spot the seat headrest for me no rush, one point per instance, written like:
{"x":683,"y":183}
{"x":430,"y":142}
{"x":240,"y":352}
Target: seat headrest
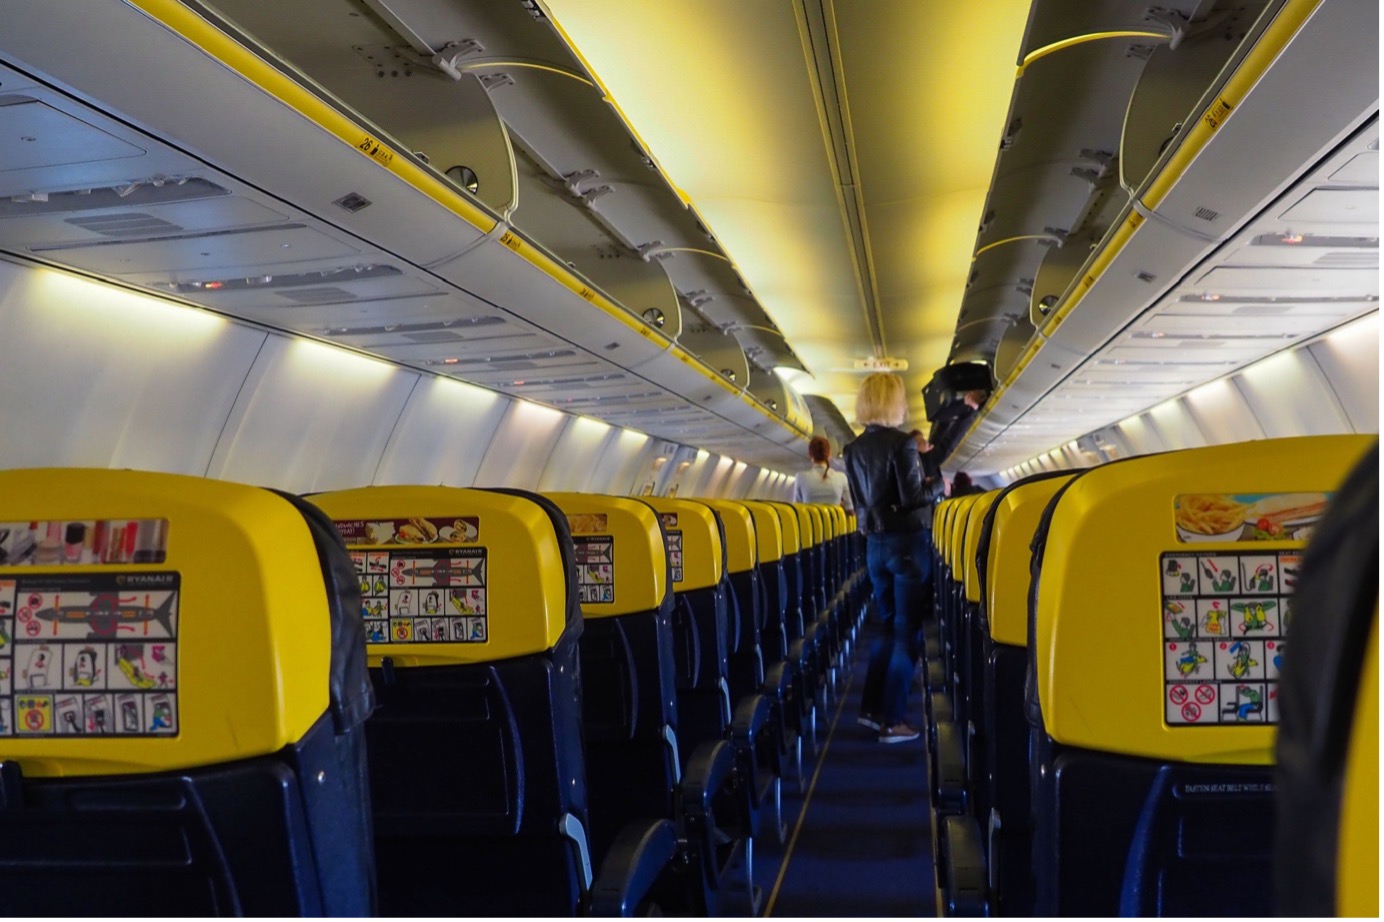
{"x":696,"y":551}
{"x":154,"y":622}
{"x":738,"y":524}
{"x":975,"y":519}
{"x":1016,"y":516}
{"x":815,"y":520}
{"x":956,"y":539}
{"x":791,"y":524}
{"x":622,"y":565}
{"x":451,"y":575}
{"x":768,"y":531}
{"x":1208,"y":542}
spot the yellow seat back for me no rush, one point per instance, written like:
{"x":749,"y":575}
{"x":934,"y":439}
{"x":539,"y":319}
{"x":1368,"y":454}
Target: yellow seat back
{"x":451,"y":575}
{"x":768,"y":531}
{"x":622,"y":565}
{"x":794,"y":540}
{"x":154,"y":622}
{"x":1006,"y":583}
{"x":1357,"y":861}
{"x":956,"y":541}
{"x":1198,"y":543}
{"x":695,"y":552}
{"x":741,"y":552}
{"x":970,"y":573}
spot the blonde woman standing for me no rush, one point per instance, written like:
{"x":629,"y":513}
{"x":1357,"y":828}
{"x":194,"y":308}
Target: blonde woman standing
{"x":892,"y":506}
{"x":821,"y":484}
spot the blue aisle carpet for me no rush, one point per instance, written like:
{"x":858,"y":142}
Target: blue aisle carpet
{"x":864,"y":847}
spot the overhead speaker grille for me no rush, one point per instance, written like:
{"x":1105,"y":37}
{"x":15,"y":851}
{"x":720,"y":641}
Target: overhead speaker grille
{"x":325,"y":295}
{"x":436,"y":336}
{"x":128,"y":224}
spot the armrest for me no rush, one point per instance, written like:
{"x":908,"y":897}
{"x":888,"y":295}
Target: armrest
{"x":710,"y":768}
{"x":963,"y":867}
{"x":950,"y":785}
{"x":636,"y":860}
{"x":751,"y":717}
{"x":710,"y":774}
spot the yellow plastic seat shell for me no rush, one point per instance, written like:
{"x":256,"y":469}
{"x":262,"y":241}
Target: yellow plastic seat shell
{"x":944,"y":539}
{"x":793,"y":538}
{"x":251,"y":627}
{"x":974,"y":525}
{"x":1007,"y":575}
{"x":956,"y":540}
{"x":522,"y":592}
{"x":741,"y":549}
{"x":639,"y":568}
{"x":1101,"y":679}
{"x":810,"y":521}
{"x":692,"y":530}
{"x":1357,"y":851}
{"x":768,"y":531}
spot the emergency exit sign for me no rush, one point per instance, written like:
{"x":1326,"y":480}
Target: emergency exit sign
{"x":885,"y":364}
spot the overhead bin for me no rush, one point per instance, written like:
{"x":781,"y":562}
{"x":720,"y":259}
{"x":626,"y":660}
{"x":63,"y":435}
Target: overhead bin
{"x":1187,"y":227}
{"x":320,"y":190}
{"x":368,"y":68}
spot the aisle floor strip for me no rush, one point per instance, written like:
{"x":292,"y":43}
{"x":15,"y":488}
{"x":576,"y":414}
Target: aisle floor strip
{"x":807,"y":800}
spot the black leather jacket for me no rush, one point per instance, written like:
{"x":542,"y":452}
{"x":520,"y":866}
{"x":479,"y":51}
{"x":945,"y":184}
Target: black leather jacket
{"x":886,"y":480}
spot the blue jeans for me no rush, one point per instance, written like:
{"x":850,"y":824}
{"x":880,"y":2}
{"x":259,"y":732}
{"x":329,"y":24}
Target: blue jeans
{"x":899,"y":569}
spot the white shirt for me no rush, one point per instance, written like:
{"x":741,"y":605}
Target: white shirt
{"x":809,"y":487}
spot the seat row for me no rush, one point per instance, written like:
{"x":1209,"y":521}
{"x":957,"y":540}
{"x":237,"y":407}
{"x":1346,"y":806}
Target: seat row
{"x":412,"y":700}
{"x":1106,"y":676}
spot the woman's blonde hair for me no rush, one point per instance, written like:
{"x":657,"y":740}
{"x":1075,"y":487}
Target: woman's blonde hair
{"x":881,"y":401}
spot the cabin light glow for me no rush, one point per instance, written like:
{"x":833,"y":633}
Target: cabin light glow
{"x":339,"y":364}
{"x":103,"y":310}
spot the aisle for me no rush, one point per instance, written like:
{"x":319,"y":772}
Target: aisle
{"x":864,"y":843}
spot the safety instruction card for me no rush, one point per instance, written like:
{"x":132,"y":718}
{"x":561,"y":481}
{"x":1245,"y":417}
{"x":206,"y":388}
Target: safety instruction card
{"x":1224,"y":619}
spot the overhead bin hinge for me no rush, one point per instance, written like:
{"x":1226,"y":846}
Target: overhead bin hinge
{"x":653,"y":250}
{"x":576,"y":178}
{"x":452,"y":52}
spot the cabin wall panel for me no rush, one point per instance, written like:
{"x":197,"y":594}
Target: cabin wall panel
{"x":1176,"y":426}
{"x":1140,"y":436}
{"x":521,"y":447}
{"x":1349,"y":358}
{"x":1289,"y":395}
{"x":94,"y":376}
{"x":442,"y":434}
{"x":1222,"y":414}
{"x":573,"y":464}
{"x":311,"y":417}
{"x":627,"y":454}
{"x":714,"y":476}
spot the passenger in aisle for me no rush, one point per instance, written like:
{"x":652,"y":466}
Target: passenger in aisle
{"x":962,"y":485}
{"x":821,"y":484}
{"x":885,"y":475}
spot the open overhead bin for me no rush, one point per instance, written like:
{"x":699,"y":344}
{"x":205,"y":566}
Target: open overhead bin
{"x":1174,"y":293}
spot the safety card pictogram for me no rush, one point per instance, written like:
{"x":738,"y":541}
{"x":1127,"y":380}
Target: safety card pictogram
{"x":595,"y":568}
{"x":423,"y":594}
{"x":1224,"y":618}
{"x":89,"y":655}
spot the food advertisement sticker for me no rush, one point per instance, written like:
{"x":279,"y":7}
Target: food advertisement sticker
{"x":1205,"y":517}
{"x":86,"y":654}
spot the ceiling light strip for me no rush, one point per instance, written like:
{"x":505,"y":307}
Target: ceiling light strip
{"x":191,"y":27}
